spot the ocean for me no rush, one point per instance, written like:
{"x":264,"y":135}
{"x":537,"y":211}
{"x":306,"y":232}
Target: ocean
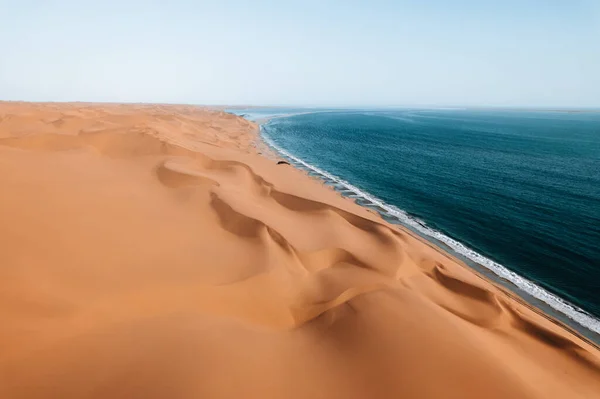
{"x":514,"y":193}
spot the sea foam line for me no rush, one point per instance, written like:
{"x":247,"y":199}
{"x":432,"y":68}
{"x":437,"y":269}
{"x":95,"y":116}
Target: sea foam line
{"x":573,"y":312}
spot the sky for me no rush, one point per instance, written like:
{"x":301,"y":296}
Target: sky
{"x":536,"y":53}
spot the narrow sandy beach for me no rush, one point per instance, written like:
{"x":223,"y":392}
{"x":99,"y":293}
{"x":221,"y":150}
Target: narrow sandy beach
{"x":149,"y":251}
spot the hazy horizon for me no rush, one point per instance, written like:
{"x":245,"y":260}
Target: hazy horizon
{"x":528,"y":54}
{"x":332,"y":107}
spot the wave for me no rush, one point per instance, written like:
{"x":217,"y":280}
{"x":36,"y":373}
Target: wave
{"x":578,"y":315}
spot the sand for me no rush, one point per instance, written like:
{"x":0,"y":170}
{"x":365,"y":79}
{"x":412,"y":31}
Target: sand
{"x":149,"y":252}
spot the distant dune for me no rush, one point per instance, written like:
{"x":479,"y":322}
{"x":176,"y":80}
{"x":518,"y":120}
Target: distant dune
{"x":149,"y":251}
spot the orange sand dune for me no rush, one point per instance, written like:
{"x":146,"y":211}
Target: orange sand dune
{"x":149,"y":252}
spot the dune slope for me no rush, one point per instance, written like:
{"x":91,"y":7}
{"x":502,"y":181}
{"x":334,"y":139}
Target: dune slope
{"x":149,"y":252}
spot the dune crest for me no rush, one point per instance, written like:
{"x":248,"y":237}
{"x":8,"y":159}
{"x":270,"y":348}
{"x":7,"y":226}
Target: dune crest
{"x":150,"y":252}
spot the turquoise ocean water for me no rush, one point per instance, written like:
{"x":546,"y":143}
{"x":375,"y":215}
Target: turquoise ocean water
{"x":516,"y":194}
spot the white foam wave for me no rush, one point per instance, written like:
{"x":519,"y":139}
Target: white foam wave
{"x":560,"y":305}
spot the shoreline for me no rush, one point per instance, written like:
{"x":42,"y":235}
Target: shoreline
{"x":510,"y":288}
{"x":151,"y":251}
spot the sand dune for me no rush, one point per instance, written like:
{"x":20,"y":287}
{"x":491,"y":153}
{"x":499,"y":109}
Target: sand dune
{"x":149,"y":252}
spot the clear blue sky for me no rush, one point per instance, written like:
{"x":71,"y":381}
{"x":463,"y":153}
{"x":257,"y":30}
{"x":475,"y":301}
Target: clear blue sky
{"x":344,"y":53}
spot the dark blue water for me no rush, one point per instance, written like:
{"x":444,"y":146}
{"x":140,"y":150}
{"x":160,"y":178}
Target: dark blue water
{"x":521,"y":188}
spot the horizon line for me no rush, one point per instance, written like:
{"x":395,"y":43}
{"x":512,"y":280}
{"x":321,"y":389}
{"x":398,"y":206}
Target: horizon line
{"x":326,"y":106}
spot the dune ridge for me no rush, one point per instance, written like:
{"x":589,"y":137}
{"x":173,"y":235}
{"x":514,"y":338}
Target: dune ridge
{"x":149,"y":251}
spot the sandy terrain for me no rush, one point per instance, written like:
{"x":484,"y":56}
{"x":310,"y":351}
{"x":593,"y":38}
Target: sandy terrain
{"x":149,"y":252}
